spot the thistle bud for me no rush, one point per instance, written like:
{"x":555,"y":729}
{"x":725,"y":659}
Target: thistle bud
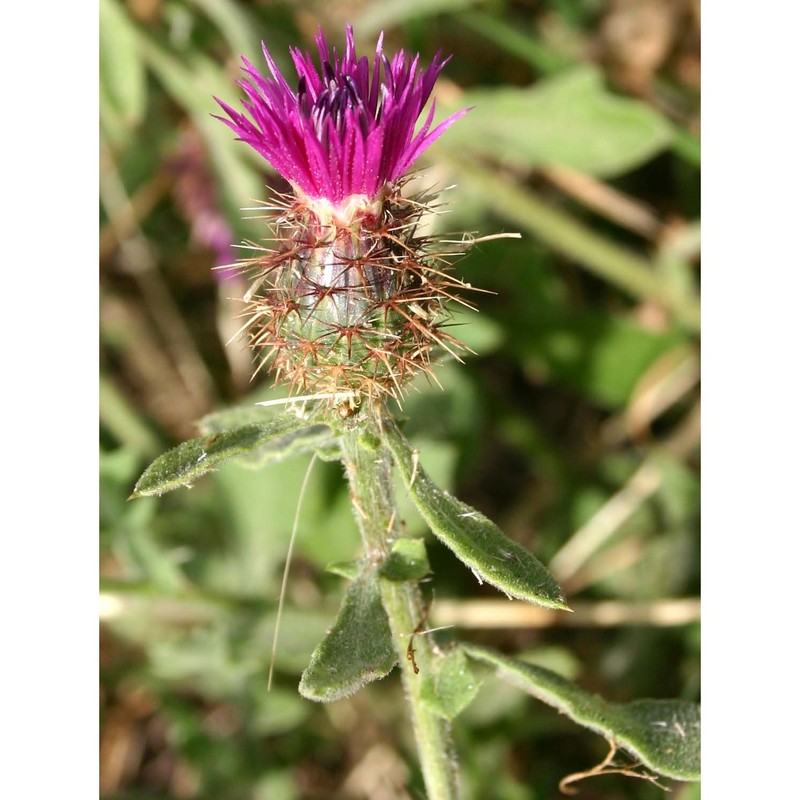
{"x":351,"y":297}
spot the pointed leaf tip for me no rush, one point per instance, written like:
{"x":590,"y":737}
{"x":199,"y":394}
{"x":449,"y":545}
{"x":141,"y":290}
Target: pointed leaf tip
{"x":475,"y":539}
{"x":663,"y":734}
{"x":256,"y":442}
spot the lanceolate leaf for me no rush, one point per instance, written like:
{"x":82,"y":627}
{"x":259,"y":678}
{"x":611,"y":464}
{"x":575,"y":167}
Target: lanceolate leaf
{"x":309,"y":438}
{"x":271,"y":440}
{"x":357,"y":650}
{"x":476,"y":540}
{"x":663,"y":734}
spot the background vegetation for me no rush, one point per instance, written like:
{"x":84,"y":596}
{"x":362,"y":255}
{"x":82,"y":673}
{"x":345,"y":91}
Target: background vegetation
{"x":575,"y":426}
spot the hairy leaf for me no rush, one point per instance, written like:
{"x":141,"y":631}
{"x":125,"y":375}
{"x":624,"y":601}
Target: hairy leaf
{"x":476,"y":540}
{"x":314,"y":438}
{"x":357,"y":650}
{"x":407,"y":561}
{"x":663,"y":734}
{"x":345,"y":569}
{"x":453,"y":686}
{"x":273,"y":440}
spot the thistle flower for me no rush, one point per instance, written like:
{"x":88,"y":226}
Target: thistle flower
{"x":348,"y":130}
{"x":351,"y":298}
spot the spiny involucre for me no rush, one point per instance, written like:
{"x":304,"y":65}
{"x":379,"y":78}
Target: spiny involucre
{"x":351,"y":298}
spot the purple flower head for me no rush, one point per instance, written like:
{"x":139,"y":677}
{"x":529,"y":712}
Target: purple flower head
{"x":348,"y":129}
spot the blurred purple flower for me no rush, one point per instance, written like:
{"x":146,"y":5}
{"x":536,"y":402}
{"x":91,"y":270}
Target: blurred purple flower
{"x":348,"y":130}
{"x":196,"y":198}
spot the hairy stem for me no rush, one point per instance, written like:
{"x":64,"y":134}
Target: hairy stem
{"x":369,"y":472}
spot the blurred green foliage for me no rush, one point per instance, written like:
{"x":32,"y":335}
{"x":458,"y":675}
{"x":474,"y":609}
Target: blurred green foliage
{"x":574,"y":427}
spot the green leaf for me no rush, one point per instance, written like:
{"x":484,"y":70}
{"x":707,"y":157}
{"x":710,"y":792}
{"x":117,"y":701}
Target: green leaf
{"x":357,"y":650}
{"x":663,"y":734}
{"x":234,"y":417}
{"x":476,"y":540}
{"x":453,"y":686}
{"x":345,"y":569}
{"x":184,"y":464}
{"x":407,"y":561}
{"x":317,"y":438}
{"x":570,"y":119}
{"x":122,"y":74}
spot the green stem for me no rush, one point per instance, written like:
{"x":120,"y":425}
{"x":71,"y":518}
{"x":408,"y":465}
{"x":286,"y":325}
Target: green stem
{"x":369,"y":471}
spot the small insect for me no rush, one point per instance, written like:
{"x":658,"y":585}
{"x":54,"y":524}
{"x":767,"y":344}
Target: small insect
{"x":344,"y":410}
{"x":410,"y":650}
{"x":410,"y":654}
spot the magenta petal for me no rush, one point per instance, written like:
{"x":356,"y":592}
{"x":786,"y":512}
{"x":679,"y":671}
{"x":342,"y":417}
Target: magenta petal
{"x":349,"y":129}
